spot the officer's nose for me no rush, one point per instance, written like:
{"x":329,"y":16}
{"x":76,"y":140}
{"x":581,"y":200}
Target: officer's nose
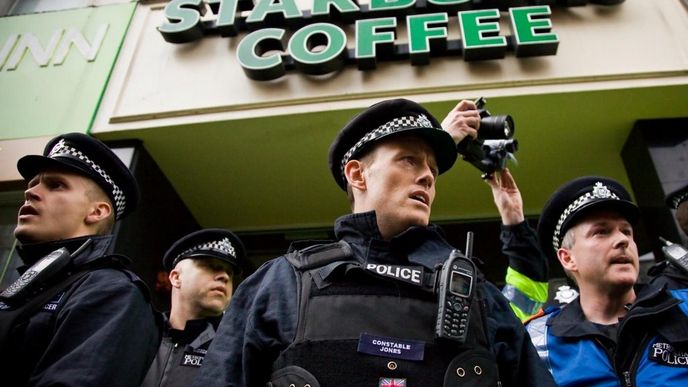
{"x":426,"y":178}
{"x":222,"y":275}
{"x":32,"y":193}
{"x":622,"y":240}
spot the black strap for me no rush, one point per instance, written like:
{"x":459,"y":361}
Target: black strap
{"x":319,"y":255}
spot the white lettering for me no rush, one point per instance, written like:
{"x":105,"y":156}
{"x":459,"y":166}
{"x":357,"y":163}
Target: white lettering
{"x":405,"y":273}
{"x":30,"y":42}
{"x":416,"y":276}
{"x":656,"y":351}
{"x":14,"y":49}
{"x":9,"y":45}
{"x":75,"y":37}
{"x":390,"y":350}
{"x":193,"y":360}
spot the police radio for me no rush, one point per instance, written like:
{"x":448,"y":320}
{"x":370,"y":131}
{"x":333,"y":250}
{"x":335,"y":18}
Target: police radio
{"x":40,"y":271}
{"x":456,"y":288}
{"x":676,"y":254}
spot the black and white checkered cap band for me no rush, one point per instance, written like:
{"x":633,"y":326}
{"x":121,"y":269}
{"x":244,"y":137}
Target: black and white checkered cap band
{"x":395,"y":125}
{"x":62,"y":149}
{"x":222,"y":246}
{"x":599,"y":191}
{"x":679,"y":199}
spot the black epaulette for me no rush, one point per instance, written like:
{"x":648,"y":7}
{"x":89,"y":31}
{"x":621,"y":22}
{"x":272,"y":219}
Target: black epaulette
{"x":319,"y":255}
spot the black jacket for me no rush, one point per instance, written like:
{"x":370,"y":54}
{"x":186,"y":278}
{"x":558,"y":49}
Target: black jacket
{"x":99,"y":331}
{"x":181,"y":353}
{"x":262,"y":317}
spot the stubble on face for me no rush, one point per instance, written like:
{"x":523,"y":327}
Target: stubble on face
{"x":605,"y":252}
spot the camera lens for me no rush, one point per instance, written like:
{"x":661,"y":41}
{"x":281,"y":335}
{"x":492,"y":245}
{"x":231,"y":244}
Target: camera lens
{"x":496,"y":127}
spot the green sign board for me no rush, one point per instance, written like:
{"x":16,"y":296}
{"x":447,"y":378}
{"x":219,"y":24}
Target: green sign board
{"x":54,"y":67}
{"x":282,"y":37}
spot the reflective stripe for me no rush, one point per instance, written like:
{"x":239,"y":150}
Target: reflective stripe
{"x":523,"y":306}
{"x":525,"y":295}
{"x":537,"y":329}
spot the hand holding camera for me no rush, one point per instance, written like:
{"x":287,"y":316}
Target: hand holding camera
{"x":494,"y":143}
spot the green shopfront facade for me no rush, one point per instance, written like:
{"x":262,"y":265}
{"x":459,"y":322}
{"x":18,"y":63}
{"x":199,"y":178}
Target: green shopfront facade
{"x":237,"y":102}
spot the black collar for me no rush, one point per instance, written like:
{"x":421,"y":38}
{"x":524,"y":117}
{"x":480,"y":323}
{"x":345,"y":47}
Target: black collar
{"x":192,"y":329}
{"x":32,"y":252}
{"x":425,"y":246}
{"x":653,"y":302}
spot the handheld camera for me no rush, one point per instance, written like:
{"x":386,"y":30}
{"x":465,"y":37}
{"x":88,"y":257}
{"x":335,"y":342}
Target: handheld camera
{"x":495,"y":143}
{"x":456,"y":288}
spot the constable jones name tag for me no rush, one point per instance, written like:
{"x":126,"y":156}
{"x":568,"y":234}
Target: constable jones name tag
{"x":391,"y":347}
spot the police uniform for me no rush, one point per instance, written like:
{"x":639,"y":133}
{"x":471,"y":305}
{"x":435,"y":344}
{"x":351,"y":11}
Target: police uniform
{"x":99,"y":330}
{"x":663,"y":272}
{"x":361,"y":311}
{"x":181,"y":352}
{"x":648,"y":347}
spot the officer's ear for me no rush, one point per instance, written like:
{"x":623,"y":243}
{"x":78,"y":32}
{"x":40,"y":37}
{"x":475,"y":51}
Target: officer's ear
{"x":99,"y":211}
{"x":175,"y":277}
{"x":353,"y":171}
{"x":567,"y":260}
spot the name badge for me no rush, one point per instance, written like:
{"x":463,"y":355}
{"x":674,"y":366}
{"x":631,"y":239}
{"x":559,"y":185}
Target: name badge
{"x":391,"y":347}
{"x":410,"y":274}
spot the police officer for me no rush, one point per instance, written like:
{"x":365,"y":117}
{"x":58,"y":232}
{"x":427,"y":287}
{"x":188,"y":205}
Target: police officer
{"x":202,"y":268}
{"x":674,"y":274}
{"x":362,"y":311}
{"x":613,"y":333}
{"x":526,"y":276}
{"x":77,"y":317}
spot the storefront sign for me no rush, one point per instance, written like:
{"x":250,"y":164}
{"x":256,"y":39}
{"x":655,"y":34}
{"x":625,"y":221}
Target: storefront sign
{"x":55,"y":51}
{"x":319,"y":45}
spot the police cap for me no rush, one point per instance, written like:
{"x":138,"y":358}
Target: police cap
{"x":207,"y":243}
{"x":384,"y":119}
{"x":570,"y":202}
{"x":89,"y":157}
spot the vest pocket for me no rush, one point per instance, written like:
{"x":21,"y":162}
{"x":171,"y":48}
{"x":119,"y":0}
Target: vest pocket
{"x":292,"y":376}
{"x":472,"y":368}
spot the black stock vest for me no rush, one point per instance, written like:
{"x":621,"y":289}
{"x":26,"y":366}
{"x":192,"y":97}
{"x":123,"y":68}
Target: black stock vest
{"x":341,"y":306}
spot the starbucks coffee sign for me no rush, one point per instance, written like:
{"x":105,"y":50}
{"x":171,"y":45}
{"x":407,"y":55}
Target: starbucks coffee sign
{"x":281,"y":37}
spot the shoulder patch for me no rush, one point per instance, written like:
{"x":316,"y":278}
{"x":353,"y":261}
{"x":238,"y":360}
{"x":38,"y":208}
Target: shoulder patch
{"x":665,"y":354}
